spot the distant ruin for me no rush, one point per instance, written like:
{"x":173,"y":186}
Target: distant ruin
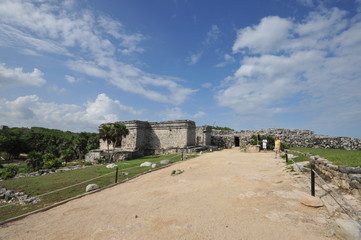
{"x":183,"y":136}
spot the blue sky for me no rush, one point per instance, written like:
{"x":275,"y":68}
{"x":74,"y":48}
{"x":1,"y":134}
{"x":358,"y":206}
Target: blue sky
{"x":249,"y":64}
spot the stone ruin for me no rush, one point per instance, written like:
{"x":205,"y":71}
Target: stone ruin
{"x":291,"y":137}
{"x":148,"y":138}
{"x":183,"y":136}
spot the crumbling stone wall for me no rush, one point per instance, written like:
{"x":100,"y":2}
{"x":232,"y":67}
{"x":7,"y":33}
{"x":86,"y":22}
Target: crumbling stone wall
{"x":292,"y":137}
{"x":203,"y":136}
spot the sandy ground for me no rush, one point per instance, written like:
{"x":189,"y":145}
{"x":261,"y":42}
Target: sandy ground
{"x":220,"y":195}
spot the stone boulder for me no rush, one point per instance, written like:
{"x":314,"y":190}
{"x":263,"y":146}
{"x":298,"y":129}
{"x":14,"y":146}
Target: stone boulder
{"x":146,"y":164}
{"x":347,"y":229}
{"x":165,"y":161}
{"x":112,"y":165}
{"x":91,"y":187}
{"x":154,"y":165}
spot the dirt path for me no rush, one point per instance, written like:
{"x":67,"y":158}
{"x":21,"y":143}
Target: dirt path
{"x":220,"y":195}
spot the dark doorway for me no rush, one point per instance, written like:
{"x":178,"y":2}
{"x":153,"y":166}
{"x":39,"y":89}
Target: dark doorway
{"x":236,"y":141}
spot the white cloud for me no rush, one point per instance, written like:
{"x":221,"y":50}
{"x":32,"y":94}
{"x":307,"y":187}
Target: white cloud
{"x":10,"y":77}
{"x":194,"y":58}
{"x":227,"y":59}
{"x":92,"y":44}
{"x":267,"y":36}
{"x":70,"y":79}
{"x":31,"y":111}
{"x":212,"y":35}
{"x":309,"y":66}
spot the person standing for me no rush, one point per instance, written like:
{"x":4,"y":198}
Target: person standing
{"x":258,"y":141}
{"x":264,"y":145}
{"x":277,"y":146}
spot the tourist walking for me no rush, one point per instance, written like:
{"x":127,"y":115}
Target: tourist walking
{"x":264,"y":145}
{"x":277,"y":146}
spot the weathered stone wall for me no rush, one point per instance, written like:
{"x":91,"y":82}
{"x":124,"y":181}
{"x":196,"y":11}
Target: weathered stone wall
{"x":172,"y":134}
{"x":292,"y":137}
{"x":203,"y":136}
{"x":149,"y":137}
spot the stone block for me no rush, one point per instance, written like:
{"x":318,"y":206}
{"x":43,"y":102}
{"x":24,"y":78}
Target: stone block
{"x":91,"y":187}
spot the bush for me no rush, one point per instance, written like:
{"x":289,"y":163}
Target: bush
{"x":100,"y":160}
{"x":53,"y":164}
{"x":87,"y":164}
{"x":9,"y":172}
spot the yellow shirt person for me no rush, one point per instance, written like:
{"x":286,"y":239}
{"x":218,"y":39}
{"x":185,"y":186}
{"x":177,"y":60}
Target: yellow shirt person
{"x":277,"y":146}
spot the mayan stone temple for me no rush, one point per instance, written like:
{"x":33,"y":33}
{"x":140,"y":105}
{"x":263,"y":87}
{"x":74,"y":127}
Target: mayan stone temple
{"x":148,"y":138}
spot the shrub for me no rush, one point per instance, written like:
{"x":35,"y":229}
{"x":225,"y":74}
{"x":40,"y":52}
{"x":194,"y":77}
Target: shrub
{"x":100,"y":160}
{"x":10,"y":172}
{"x":53,"y":164}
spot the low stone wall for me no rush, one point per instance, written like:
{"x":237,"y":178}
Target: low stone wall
{"x":291,"y":137}
{"x":346,"y":178}
{"x":95,"y":154}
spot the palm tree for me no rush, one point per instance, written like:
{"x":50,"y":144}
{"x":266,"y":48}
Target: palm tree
{"x":105,"y":133}
{"x":113,"y":134}
{"x":117,"y":133}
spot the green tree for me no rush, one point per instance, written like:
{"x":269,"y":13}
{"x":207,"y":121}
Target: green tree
{"x":117,"y":133}
{"x":12,"y":143}
{"x":67,"y":155}
{"x":113,"y":134}
{"x":35,"y":161}
{"x":105,"y":134}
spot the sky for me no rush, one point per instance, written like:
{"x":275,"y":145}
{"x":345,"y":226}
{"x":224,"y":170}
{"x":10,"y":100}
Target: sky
{"x":247,"y":65}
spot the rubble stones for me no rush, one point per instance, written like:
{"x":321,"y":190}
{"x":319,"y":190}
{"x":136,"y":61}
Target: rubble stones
{"x":12,"y":196}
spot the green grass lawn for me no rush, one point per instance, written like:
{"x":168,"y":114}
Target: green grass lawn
{"x":300,"y":158}
{"x":39,"y":185}
{"x":350,"y":158}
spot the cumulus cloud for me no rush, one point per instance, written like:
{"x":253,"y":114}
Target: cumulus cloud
{"x":309,"y":66}
{"x":30,"y":111}
{"x":92,"y":44}
{"x":268,"y":36}
{"x":10,"y":77}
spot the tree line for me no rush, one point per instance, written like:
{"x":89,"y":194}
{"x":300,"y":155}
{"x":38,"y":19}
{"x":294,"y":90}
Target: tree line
{"x":45,"y":147}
